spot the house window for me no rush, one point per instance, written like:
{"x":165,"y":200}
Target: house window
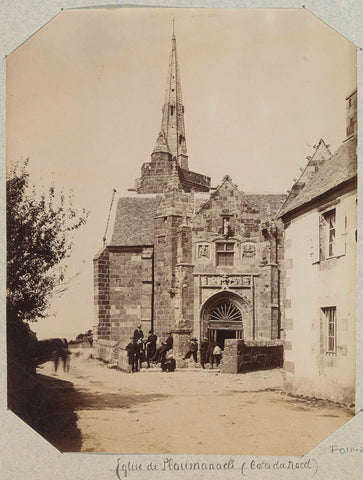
{"x":328,"y":237}
{"x":331,"y":328}
{"x":225,"y":254}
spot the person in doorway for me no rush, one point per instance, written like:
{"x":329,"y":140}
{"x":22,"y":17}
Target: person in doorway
{"x":217,"y":355}
{"x":210,"y":356}
{"x":138,"y":333}
{"x":193,"y":349}
{"x":203,"y":350}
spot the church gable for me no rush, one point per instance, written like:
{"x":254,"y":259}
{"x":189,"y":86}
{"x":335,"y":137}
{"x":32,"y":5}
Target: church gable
{"x":227,"y":213}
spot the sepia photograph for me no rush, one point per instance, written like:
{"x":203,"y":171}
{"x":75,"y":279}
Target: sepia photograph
{"x":181,"y":222}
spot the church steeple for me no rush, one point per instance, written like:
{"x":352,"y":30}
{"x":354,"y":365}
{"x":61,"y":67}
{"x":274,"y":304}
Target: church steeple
{"x":169,"y":159}
{"x":172,"y":135}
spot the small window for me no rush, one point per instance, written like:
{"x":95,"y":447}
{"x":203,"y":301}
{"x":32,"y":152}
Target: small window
{"x":331,"y":328}
{"x":328,"y":234}
{"x":225,"y":254}
{"x":172,"y":110}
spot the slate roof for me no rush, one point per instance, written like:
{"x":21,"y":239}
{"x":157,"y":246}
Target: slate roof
{"x":268,"y":204}
{"x":321,"y":153}
{"x":134,"y":221}
{"x":133,"y":216}
{"x":339,"y":169}
{"x":200,"y":198}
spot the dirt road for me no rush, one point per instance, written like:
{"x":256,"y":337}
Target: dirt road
{"x":200,"y":411}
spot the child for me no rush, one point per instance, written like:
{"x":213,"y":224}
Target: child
{"x":217,"y":354}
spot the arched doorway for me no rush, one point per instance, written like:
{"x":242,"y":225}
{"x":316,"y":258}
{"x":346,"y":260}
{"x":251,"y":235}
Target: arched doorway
{"x":223,"y":316}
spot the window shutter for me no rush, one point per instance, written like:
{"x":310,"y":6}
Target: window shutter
{"x":340,"y":230}
{"x":315,"y":239}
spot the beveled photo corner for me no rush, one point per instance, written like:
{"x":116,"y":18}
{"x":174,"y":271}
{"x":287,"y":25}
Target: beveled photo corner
{"x":181,"y":269}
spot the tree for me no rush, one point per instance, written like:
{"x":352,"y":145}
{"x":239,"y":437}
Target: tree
{"x":39,"y":238}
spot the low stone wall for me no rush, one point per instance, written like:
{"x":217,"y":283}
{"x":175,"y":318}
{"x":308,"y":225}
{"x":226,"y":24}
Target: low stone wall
{"x":84,"y":344}
{"x":243,"y":356}
{"x":122,"y":360}
{"x":106,"y":350}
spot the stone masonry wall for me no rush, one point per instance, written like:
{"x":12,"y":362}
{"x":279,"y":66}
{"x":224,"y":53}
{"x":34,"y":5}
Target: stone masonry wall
{"x":242,"y":356}
{"x":101,"y":278}
{"x":155,"y":174}
{"x":130,"y":298}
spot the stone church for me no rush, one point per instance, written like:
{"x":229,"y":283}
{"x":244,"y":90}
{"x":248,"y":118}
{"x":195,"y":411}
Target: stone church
{"x":182,"y":257}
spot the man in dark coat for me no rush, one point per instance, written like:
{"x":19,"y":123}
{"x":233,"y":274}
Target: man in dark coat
{"x":138,"y":333}
{"x":168,"y":345}
{"x":193,"y":349}
{"x":169,"y":365}
{"x":133,"y":354}
{"x":150,"y":346}
{"x":204,"y":349}
{"x":210,"y":356}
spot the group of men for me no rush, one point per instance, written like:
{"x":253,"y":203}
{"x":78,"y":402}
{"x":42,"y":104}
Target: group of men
{"x":209,"y":352}
{"x":141,"y":350}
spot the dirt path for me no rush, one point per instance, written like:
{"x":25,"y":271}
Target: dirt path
{"x":191,"y":412}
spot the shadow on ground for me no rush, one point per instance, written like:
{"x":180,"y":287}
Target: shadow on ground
{"x":104,"y":401}
{"x":38,"y":400}
{"x":49,"y":406}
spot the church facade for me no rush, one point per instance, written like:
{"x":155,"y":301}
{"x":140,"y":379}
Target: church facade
{"x":182,"y":257}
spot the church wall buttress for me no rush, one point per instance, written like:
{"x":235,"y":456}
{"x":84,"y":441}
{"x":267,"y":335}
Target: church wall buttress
{"x":184,"y":279}
{"x":165,"y":256}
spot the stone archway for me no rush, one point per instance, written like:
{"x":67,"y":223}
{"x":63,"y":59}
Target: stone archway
{"x":223,"y":316}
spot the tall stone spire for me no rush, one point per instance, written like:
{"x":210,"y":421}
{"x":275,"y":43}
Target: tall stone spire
{"x":172,"y":135}
{"x":169,"y":159}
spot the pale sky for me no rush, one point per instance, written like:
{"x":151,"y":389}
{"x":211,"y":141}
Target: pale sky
{"x":84,"y":99}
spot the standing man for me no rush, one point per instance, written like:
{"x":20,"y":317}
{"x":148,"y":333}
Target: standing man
{"x":132,"y":352}
{"x":204,"y":348}
{"x":150,"y":346}
{"x":138,"y":333}
{"x":210,"y":351}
